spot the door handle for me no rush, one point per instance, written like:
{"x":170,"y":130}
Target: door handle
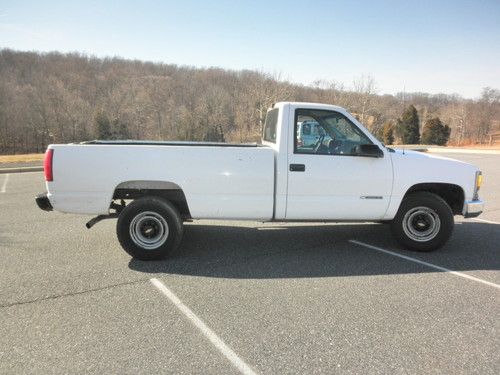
{"x":297,"y":168}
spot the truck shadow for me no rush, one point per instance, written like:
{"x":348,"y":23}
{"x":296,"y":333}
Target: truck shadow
{"x":284,"y":251}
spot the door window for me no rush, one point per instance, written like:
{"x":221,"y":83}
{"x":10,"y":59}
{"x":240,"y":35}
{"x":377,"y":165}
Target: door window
{"x":334,"y":133}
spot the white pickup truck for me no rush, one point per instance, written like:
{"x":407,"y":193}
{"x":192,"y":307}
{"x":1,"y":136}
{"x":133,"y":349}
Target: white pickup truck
{"x":346,"y":175}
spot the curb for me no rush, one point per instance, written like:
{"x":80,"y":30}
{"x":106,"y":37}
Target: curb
{"x":463,"y":151}
{"x":448,"y":149}
{"x":21,"y":169}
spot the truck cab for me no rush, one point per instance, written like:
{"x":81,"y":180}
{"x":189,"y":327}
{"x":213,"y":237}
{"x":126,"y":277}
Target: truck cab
{"x":345,"y":175}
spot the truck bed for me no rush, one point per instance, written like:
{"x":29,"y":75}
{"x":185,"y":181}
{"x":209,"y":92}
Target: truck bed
{"x":218,"y":180}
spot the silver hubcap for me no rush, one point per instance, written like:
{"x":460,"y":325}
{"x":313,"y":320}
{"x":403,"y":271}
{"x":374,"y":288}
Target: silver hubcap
{"x":149,"y":230}
{"x":421,"y":224}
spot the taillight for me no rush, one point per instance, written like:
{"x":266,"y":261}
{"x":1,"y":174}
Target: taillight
{"x":47,"y":165}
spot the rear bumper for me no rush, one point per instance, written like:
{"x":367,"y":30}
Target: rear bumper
{"x":43,"y":202}
{"x":473,"y":208}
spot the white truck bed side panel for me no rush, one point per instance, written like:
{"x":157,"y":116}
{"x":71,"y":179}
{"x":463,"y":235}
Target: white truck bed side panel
{"x":218,"y":182}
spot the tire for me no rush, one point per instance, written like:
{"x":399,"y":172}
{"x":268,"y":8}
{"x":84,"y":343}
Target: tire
{"x":149,"y":228}
{"x":424,"y":222}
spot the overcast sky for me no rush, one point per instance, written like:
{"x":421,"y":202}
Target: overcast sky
{"x":429,"y":46}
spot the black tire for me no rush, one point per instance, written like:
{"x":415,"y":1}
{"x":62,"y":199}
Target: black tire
{"x":149,"y":228}
{"x":424,"y":222}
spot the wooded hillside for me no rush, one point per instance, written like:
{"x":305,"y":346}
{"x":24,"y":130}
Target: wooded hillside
{"x":59,"y":98}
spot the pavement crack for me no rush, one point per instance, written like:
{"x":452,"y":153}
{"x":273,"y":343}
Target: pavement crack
{"x":87,"y":291}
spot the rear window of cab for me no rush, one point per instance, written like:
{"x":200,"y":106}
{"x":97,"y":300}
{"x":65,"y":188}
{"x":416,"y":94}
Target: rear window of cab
{"x":271,"y":125}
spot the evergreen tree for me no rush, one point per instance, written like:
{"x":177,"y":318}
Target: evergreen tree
{"x":408,"y":126}
{"x":214,"y":134}
{"x":102,"y":126}
{"x":120,"y":129}
{"x":435,"y":132}
{"x":388,"y":133}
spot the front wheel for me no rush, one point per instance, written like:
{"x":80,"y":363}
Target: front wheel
{"x":149,"y":228}
{"x":424,"y":222}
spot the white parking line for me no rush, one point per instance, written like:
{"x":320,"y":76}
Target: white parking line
{"x":486,"y":221}
{"x":4,"y":185}
{"x":460,"y":274}
{"x":207,"y":332}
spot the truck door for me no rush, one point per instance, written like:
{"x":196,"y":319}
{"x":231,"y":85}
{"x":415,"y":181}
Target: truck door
{"x":329,"y":180}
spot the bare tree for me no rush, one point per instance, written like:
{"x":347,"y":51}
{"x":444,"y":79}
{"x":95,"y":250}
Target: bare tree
{"x":365,"y":88}
{"x":53,"y":97}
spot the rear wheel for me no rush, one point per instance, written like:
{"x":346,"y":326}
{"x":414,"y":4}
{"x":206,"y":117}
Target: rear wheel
{"x":149,"y":228}
{"x":424,"y":222}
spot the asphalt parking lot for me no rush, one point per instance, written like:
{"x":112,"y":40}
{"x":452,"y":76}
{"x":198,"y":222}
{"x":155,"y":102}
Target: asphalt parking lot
{"x":246,"y":297}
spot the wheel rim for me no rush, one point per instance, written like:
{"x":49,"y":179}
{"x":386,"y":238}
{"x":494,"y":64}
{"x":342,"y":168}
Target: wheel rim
{"x":149,"y":230}
{"x":421,"y":224}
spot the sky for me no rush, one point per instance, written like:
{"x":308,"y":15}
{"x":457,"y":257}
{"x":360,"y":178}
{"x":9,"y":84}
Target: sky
{"x":416,"y":46}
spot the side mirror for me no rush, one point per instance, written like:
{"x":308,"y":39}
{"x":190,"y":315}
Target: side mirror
{"x":371,"y":151}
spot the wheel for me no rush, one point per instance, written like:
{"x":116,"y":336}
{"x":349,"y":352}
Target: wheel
{"x":149,"y":228}
{"x":424,"y":222}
